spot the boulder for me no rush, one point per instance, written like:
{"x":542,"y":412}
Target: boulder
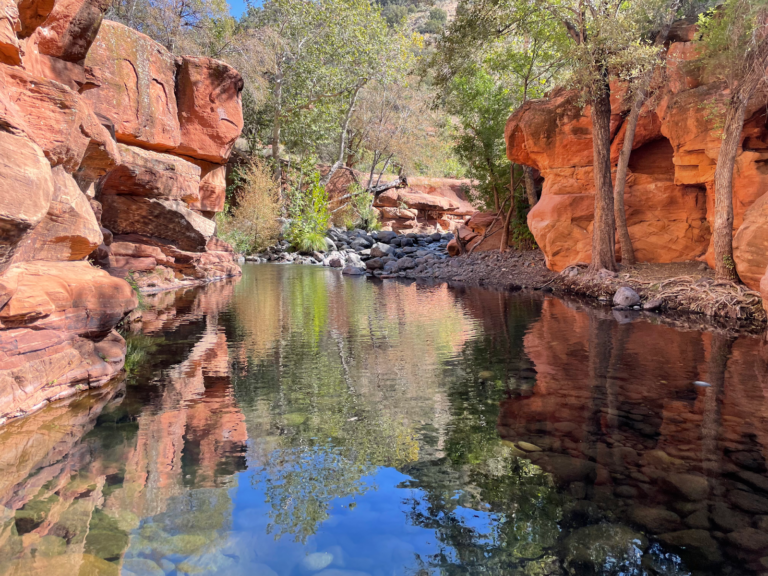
{"x":70,"y":28}
{"x":213,"y":186}
{"x":380,"y":249}
{"x":700,"y":549}
{"x":353,"y":270}
{"x":72,"y":297}
{"x":37,"y":366}
{"x":9,"y":26}
{"x":26,"y":189}
{"x":69,"y":230}
{"x":626,"y":296}
{"x":151,"y":174}
{"x":169,"y":220}
{"x":210,"y":108}
{"x":135,"y":87}
{"x":396,"y":198}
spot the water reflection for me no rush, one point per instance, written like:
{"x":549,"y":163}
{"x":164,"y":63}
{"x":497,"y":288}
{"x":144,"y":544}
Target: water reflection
{"x":297,"y":422}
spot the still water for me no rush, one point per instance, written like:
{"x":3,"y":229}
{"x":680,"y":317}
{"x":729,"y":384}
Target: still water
{"x":296,"y":423}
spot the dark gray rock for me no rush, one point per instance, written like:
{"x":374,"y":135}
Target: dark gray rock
{"x":699,"y":546}
{"x":374,"y":264}
{"x":350,"y":270}
{"x":654,"y":304}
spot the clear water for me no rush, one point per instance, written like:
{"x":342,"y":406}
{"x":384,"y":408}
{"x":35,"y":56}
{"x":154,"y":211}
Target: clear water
{"x":297,"y":422}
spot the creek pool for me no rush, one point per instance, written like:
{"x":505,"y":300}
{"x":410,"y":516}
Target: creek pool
{"x":295,"y":422}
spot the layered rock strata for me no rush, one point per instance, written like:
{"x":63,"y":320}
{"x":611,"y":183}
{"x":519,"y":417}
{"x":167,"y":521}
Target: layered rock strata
{"x":670,"y":187}
{"x":112,"y":165}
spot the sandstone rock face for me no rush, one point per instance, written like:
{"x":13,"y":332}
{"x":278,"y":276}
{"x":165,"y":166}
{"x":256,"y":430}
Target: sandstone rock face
{"x":213,"y":187}
{"x":137,"y":87}
{"x":9,"y":26}
{"x":26,"y":189}
{"x":70,"y":28}
{"x":72,"y":297}
{"x":51,"y":115}
{"x":69,"y":230}
{"x":210,"y":109}
{"x":152,"y":175}
{"x":669,"y":196}
{"x":91,"y":146}
{"x":750,"y":244}
{"x":167,"y":219}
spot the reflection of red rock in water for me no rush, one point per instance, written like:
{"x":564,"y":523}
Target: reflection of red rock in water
{"x":77,"y":498}
{"x":621,"y":423}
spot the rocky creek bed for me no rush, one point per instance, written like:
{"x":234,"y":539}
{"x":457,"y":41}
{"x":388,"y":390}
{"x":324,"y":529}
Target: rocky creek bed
{"x":682,"y":292}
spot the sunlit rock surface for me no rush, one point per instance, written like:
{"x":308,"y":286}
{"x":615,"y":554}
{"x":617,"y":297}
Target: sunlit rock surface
{"x":90,"y":110}
{"x":669,"y":196}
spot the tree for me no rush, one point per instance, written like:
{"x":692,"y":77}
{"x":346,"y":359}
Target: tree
{"x":641,"y":91}
{"x":597,"y":41}
{"x":734,"y":39}
{"x":320,"y":55}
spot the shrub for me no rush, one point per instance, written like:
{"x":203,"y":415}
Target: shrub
{"x":366,"y":216}
{"x":310,"y":218}
{"x":252,"y":224}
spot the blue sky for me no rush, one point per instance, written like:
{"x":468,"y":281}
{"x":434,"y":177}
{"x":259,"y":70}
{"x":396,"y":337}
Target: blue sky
{"x":237,"y":7}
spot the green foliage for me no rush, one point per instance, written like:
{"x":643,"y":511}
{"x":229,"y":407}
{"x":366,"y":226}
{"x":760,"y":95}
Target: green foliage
{"x":726,"y":34}
{"x":396,"y":15}
{"x":435,"y":23}
{"x":309,"y":215}
{"x":131,"y":279}
{"x":363,"y":214}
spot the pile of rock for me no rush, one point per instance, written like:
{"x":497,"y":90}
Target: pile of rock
{"x":427,"y":205}
{"x":111,"y":150}
{"x":357,"y":252}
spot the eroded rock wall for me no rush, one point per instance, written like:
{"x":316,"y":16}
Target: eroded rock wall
{"x":669,"y":195}
{"x":112,"y":165}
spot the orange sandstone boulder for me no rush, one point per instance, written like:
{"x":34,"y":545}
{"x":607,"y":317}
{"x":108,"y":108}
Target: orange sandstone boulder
{"x":101,"y":154}
{"x":26,"y":189}
{"x":70,"y":28}
{"x":166,"y":219}
{"x":136,"y":87}
{"x":449,"y":188}
{"x":210,"y":108}
{"x":9,"y":26}
{"x":72,"y":297}
{"x":69,"y":230}
{"x":152,"y":175}
{"x":398,"y":198}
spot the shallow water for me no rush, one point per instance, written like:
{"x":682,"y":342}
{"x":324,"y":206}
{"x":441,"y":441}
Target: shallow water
{"x":297,"y":422}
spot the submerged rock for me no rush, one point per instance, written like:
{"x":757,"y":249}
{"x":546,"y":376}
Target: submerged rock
{"x":602,"y":549}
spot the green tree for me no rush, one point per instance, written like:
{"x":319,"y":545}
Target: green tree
{"x":734,"y":39}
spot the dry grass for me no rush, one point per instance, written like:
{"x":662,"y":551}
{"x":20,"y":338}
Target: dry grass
{"x":252,"y":224}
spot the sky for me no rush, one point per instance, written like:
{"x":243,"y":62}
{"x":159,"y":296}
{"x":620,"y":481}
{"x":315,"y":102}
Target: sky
{"x":237,"y":7}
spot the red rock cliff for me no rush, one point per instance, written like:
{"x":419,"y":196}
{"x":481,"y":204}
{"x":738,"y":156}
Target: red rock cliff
{"x":113,"y":153}
{"x":669,"y":197}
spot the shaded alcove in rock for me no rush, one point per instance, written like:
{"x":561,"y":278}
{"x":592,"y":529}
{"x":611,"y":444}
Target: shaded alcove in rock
{"x":667,"y":221}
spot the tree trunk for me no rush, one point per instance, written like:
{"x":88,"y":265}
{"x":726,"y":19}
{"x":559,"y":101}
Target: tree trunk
{"x":603,"y":237}
{"x":627,"y":251}
{"x":725,"y":268}
{"x":757,"y":60}
{"x":507,"y":221}
{"x":276,"y":132}
{"x":343,"y":137}
{"x":530,"y":186}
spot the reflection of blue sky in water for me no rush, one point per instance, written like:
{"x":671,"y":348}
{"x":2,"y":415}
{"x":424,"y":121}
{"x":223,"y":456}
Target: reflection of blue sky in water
{"x":373,"y":535}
